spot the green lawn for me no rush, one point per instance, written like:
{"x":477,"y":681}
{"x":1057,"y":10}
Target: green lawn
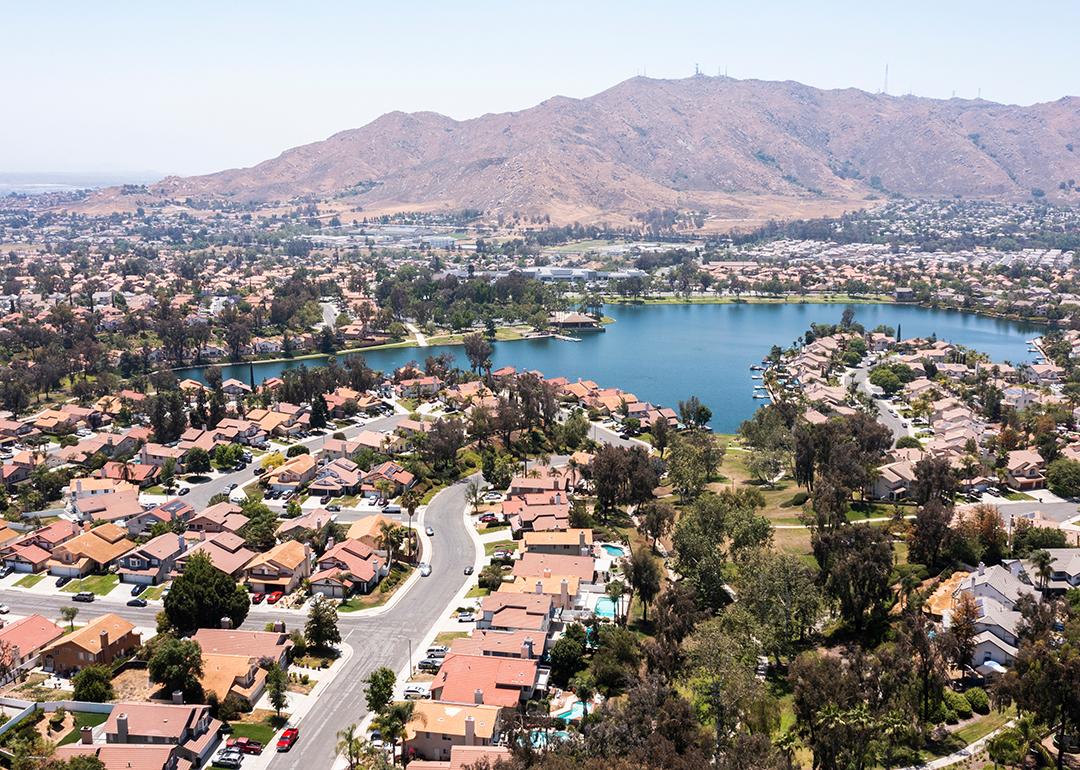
{"x":29,"y":581}
{"x":381,"y":595}
{"x":153,"y":592}
{"x":476,"y":592}
{"x":505,"y":545}
{"x":263,"y":732}
{"x":980,"y":727}
{"x":98,"y":584}
{"x":82,"y":719}
{"x":1015,"y":495}
{"x":448,"y":636}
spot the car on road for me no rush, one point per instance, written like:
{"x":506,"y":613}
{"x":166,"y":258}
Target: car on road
{"x":430,"y":664}
{"x":256,"y":598}
{"x":469,"y":570}
{"x":245,"y":745}
{"x":138,"y":601}
{"x":275,"y":597}
{"x":466,"y":617}
{"x":391,"y":508}
{"x":83,"y":596}
{"x":183,"y":491}
{"x":417,"y":692}
{"x":429,"y":532}
{"x":62,"y":581}
{"x":288,"y":739}
{"x":231,"y":486}
{"x":138,"y":588}
{"x":335,"y":508}
{"x":425,"y":569}
{"x":4,"y":609}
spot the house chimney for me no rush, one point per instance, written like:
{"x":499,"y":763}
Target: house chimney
{"x":581,"y":539}
{"x":539,"y":587}
{"x":527,"y":648}
{"x":103,"y":636}
{"x":122,"y":728}
{"x":279,"y":627}
{"x":478,"y":697}
{"x":547,"y":572}
{"x":564,"y":592}
{"x":470,"y":731}
{"x":86,"y":735}
{"x":982,"y":568}
{"x":226,"y":623}
{"x":178,"y":697}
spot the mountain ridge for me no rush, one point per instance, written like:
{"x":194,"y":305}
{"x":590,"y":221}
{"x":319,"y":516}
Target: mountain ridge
{"x":699,"y":142}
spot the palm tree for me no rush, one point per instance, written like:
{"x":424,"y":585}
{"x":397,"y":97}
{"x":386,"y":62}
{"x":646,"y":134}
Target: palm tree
{"x":615,"y":590}
{"x":389,"y":539}
{"x":584,"y":690}
{"x":1030,"y":734}
{"x":392,"y":723}
{"x":907,"y":585}
{"x":410,"y":501}
{"x":1044,"y":567}
{"x":351,"y":745}
{"x":474,"y":495}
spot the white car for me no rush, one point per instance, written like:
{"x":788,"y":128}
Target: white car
{"x":4,"y":609}
{"x":492,"y":497}
{"x":417,"y":692}
{"x":425,"y":569}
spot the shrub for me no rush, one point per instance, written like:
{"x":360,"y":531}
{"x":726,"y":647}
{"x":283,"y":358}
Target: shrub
{"x":958,"y":704}
{"x":297,"y":449}
{"x":798,"y":500}
{"x":978,"y":699}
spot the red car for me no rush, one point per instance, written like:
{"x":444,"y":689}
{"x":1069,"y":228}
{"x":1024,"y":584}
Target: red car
{"x":488,"y":518}
{"x":287,"y":739}
{"x":256,"y":598}
{"x":274,"y":598}
{"x":245,"y":745}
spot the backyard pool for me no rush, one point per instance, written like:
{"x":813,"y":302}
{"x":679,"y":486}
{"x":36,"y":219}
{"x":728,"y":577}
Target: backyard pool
{"x":576,"y":711}
{"x":614,"y":550}
{"x":605,"y":607}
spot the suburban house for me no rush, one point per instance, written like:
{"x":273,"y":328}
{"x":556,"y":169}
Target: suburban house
{"x":348,"y":567}
{"x":894,"y":480}
{"x":1024,"y":469}
{"x":462,"y":757}
{"x":1064,"y":570}
{"x":279,"y":569}
{"x":513,"y":611}
{"x":368,"y":530}
{"x":395,"y":476}
{"x":166,"y":513}
{"x":152,"y":562}
{"x":419,"y":387}
{"x":21,"y":640}
{"x":435,"y":728}
{"x":264,"y":645}
{"x":566,"y":542}
{"x":101,"y":641}
{"x":488,"y":679}
{"x":31,"y":552}
{"x":190,"y":730}
{"x":92,"y":551}
{"x":312,"y":520}
{"x":159,"y":454}
{"x":506,"y":644}
{"x":225,"y":550}
{"x":219,"y":517}
{"x":292,"y":474}
{"x":336,"y":478}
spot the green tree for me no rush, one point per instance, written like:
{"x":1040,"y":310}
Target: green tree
{"x":321,"y":630}
{"x":391,"y":722}
{"x":277,"y":687}
{"x":380,"y":689}
{"x":567,"y":655}
{"x":93,"y":684}
{"x":857,"y":562}
{"x":644,"y":575}
{"x":202,"y":595}
{"x":1063,"y":478}
{"x":656,"y":518}
{"x":68,"y":615}
{"x":177,"y":665}
{"x":197,"y":460}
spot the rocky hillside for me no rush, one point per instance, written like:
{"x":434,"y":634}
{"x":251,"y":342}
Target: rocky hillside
{"x":700,"y":142}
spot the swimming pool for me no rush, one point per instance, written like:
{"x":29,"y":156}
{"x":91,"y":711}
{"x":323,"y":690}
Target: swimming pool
{"x":614,"y":550}
{"x":540,"y":739}
{"x":576,"y":711}
{"x":605,"y":607}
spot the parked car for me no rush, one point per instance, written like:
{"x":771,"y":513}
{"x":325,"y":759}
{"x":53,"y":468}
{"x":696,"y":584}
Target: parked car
{"x":501,"y":553}
{"x":4,"y":609}
{"x":256,"y":598}
{"x":229,"y":758}
{"x":83,"y":596}
{"x":488,"y":518}
{"x":430,"y":664}
{"x":138,"y":588}
{"x":466,"y":617}
{"x":275,"y":597}
{"x":287,"y":739}
{"x":138,"y":601}
{"x":183,"y":491}
{"x":375,"y":738}
{"x":231,"y":486}
{"x":417,"y":692}
{"x":246,"y":745}
{"x":469,"y":570}
{"x":492,"y":497}
{"x":62,"y":581}
{"x":335,"y":508}
{"x":425,"y":569}
{"x":325,"y":499}
{"x":437,"y":651}
{"x":5,"y":570}
{"x":391,"y":508}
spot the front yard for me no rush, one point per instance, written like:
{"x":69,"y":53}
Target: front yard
{"x":97,"y":584}
{"x":381,"y":595}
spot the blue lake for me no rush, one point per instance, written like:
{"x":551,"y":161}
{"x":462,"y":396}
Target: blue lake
{"x":664,"y":353}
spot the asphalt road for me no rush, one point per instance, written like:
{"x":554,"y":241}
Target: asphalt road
{"x":894,"y":423}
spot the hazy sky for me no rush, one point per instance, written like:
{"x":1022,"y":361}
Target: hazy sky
{"x":191,"y":87}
